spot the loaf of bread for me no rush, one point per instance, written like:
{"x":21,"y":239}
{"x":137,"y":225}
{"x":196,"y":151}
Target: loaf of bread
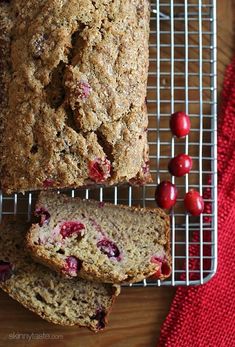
{"x":116,"y":244}
{"x":73,"y":79}
{"x":56,"y":299}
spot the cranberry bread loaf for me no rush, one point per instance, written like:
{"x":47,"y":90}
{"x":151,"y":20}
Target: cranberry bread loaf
{"x":56,"y":299}
{"x":116,"y":244}
{"x":74,"y":110}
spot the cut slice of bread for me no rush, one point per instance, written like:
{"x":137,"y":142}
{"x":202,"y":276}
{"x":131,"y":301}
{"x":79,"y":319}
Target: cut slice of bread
{"x":109,"y":243}
{"x":58,"y":300}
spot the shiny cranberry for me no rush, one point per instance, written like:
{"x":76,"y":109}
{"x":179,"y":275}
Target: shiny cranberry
{"x":43,"y":214}
{"x":72,"y":266}
{"x":5,"y":270}
{"x":166,"y":194}
{"x":99,"y":170}
{"x":180,"y":124}
{"x":69,"y":228}
{"x":164,"y":268}
{"x":109,"y":248}
{"x":194,"y":203}
{"x":180,"y":165}
{"x":48,"y":183}
{"x":100,"y":317}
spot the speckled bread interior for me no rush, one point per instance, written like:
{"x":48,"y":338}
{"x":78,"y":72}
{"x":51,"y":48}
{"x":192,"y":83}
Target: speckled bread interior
{"x":56,"y":299}
{"x":109,"y":243}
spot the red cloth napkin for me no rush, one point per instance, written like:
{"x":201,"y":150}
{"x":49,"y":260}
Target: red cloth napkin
{"x":205,"y":315}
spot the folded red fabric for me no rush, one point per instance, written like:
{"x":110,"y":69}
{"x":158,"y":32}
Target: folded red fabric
{"x":205,"y":315}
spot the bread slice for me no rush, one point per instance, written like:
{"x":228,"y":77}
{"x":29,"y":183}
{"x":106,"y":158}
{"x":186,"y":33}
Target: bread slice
{"x":116,"y":244}
{"x":56,"y":299}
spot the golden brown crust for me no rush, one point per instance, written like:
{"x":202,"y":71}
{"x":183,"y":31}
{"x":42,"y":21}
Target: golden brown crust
{"x":5,"y":28}
{"x":77,"y":93}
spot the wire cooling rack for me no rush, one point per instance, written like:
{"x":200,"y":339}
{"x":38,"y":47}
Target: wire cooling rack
{"x":182,"y":77}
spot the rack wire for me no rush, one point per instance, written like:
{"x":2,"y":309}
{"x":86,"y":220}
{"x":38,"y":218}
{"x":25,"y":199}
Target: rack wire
{"x":182,"y":77}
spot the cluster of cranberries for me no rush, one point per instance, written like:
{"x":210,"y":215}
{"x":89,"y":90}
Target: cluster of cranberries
{"x":166,"y":192}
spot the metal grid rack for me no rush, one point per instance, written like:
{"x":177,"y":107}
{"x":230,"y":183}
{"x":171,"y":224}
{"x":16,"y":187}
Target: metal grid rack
{"x":182,"y":76}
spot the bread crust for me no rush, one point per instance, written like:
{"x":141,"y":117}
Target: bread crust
{"x":12,"y":233}
{"x":76,"y":112}
{"x":87,"y":271}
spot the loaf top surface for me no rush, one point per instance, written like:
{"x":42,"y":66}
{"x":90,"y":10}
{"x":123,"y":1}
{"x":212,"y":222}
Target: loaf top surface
{"x":75,"y":75}
{"x":58,"y":300}
{"x":116,"y":244}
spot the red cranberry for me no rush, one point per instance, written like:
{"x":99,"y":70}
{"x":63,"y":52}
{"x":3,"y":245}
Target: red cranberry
{"x":194,"y":203}
{"x":109,"y":248}
{"x":43,"y":214}
{"x":72,"y":266}
{"x":180,"y":124}
{"x":100,"y":317}
{"x":5,"y":270}
{"x":145,"y":168}
{"x":48,"y":183}
{"x":157,"y":274}
{"x":180,"y":165}
{"x":69,"y":228}
{"x":99,"y":170}
{"x":101,"y":204}
{"x":164,"y":268}
{"x":166,"y":194}
{"x":83,"y":90}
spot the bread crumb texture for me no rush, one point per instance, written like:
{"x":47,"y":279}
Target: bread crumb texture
{"x":58,"y":300}
{"x":73,"y":79}
{"x":100,"y":241}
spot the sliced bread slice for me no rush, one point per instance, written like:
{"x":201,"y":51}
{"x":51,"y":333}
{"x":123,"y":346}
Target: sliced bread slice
{"x":58,"y":300}
{"x":109,"y":243}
